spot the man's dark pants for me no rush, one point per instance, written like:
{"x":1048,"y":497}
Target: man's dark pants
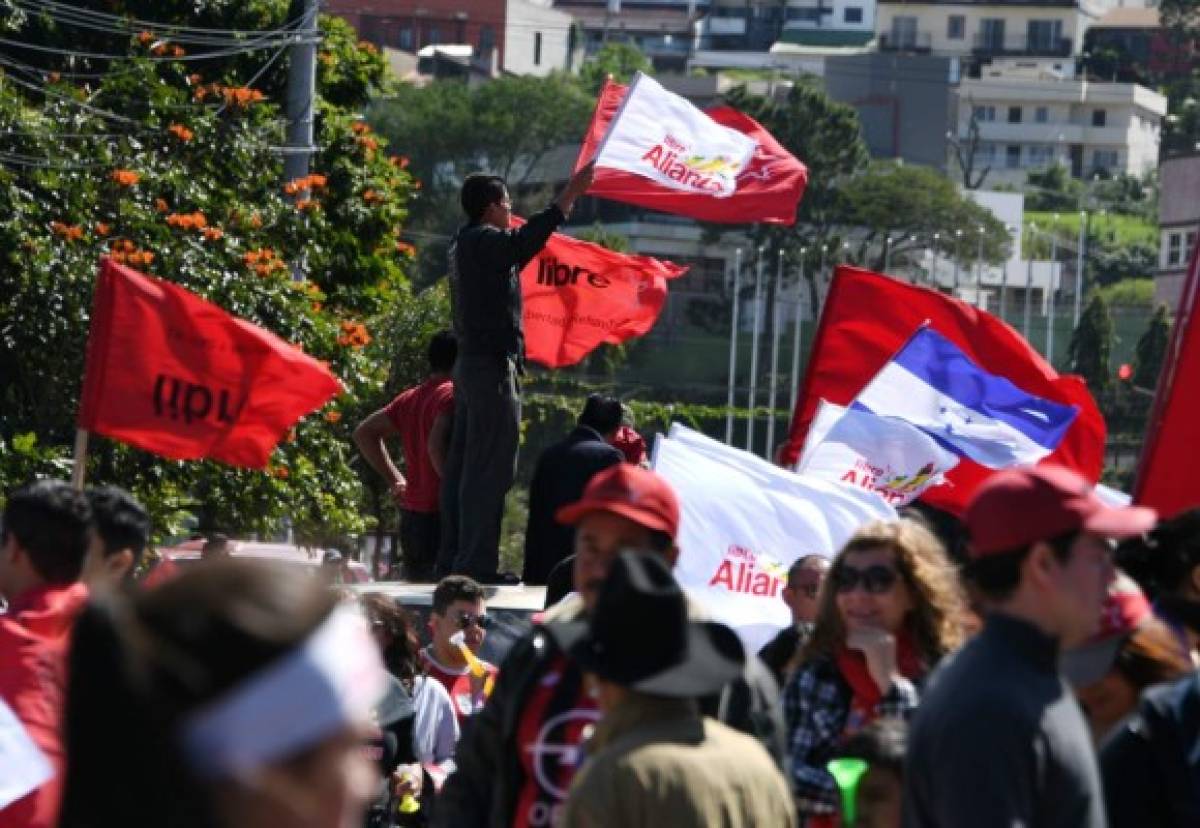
{"x":420,"y":539}
{"x":481,"y":464}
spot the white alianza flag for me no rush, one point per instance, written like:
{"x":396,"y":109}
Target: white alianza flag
{"x":744,"y":521}
{"x":890,"y":457}
{"x":23,"y":767}
{"x":661,"y":136}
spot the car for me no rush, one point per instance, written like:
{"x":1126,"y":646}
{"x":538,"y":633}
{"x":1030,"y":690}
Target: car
{"x":188,"y":554}
{"x":512,"y":609}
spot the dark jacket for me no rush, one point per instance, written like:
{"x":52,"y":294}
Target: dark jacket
{"x":483,"y":790}
{"x":559,"y":478}
{"x":485,"y":283}
{"x":1151,"y":764}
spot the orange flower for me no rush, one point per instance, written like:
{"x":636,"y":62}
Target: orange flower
{"x":405,"y":248}
{"x":125,"y":178}
{"x":400,"y":161}
{"x":181,"y":132}
{"x":369,"y":48}
{"x":159,"y":50}
{"x":144,"y":37}
{"x":178,"y":51}
{"x":281,"y":472}
{"x":360,"y":127}
{"x":333,"y":416}
{"x":308,"y":204}
{"x":316,"y":306}
{"x":256,"y":221}
{"x":55,"y":77}
{"x":213,"y":233}
{"x":160,"y":205}
{"x":291,"y":435}
{"x":240,"y":96}
{"x":70,"y":232}
{"x":201,"y":93}
{"x":326,"y":58}
{"x":368,"y":143}
{"x":372,"y":197}
{"x":102,"y":229}
{"x":188,"y":221}
{"x":195,"y":78}
{"x":316,"y":181}
{"x":354,"y":335}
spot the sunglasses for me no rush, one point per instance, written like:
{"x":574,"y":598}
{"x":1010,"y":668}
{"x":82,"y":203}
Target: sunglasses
{"x":809,"y":590}
{"x":466,"y":619}
{"x":876,"y":579}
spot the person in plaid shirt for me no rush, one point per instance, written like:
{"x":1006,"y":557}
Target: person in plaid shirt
{"x":890,"y":608}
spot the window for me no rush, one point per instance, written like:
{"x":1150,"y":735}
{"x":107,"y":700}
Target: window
{"x":956,"y":27}
{"x":904,"y":32}
{"x":1012,"y":156}
{"x":405,"y":40}
{"x":537,"y":48}
{"x":1174,"y":248}
{"x":1099,"y":117}
{"x":1105,"y":159}
{"x":435,"y":35}
{"x":1041,"y":115}
{"x":852,"y":14}
{"x":487,"y":39}
{"x":1014,"y":114}
{"x":985,"y":113}
{"x":1044,"y":35}
{"x":991,"y":34}
{"x":985,"y":153}
{"x":804,"y":14}
{"x":1041,"y":155}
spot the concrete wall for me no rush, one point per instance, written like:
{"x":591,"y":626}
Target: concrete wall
{"x":904,"y":102}
{"x":528,"y":24}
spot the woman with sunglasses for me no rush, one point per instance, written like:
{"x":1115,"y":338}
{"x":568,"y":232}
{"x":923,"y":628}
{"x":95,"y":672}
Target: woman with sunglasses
{"x":416,"y":728}
{"x":889,"y":610}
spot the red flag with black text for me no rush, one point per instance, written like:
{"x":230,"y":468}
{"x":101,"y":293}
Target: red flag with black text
{"x":768,"y":189}
{"x":578,"y":295}
{"x":176,"y":375}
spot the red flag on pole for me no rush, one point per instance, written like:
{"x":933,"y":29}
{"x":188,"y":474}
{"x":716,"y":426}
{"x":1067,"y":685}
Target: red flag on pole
{"x":869,"y":316}
{"x":1166,"y":476}
{"x":173,"y":374}
{"x":768,"y":189}
{"x":578,"y":295}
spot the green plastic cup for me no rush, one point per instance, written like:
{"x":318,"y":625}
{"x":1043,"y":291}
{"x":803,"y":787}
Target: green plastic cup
{"x":848,"y":773}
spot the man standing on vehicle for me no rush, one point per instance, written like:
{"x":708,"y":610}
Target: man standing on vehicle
{"x":486,"y":259}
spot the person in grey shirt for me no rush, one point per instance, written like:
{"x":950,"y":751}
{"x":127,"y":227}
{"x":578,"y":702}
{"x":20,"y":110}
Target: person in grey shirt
{"x":999,"y":739}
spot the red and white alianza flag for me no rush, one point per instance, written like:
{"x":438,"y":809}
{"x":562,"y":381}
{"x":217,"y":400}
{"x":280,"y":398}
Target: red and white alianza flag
{"x":578,"y":295}
{"x":655,"y":149}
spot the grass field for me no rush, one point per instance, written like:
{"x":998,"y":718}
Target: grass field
{"x":1114,"y":230}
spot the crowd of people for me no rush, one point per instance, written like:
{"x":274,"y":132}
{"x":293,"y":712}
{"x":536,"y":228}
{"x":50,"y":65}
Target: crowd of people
{"x":1038,"y":668}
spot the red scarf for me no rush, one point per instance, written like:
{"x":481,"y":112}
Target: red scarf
{"x":865,"y":693}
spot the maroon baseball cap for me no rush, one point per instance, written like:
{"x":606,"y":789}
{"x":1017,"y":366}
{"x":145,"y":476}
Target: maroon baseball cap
{"x":632,"y":492}
{"x":1016,"y":507}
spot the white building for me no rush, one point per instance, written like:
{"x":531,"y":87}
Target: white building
{"x":830,"y":16}
{"x":1178,"y":221}
{"x":988,"y":29}
{"x":1030,"y":119}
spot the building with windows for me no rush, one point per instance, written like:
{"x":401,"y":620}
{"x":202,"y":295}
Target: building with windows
{"x":988,"y":29}
{"x":1178,"y":222}
{"x":663,"y":31}
{"x":521,"y":37}
{"x":1029,"y":118}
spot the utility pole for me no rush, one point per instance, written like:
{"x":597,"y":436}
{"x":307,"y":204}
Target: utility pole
{"x":774,"y":357}
{"x":1053,"y":294}
{"x":1079,"y":265}
{"x":1028,"y":287}
{"x":301,"y":92}
{"x":733,"y":338}
{"x":801,"y":295}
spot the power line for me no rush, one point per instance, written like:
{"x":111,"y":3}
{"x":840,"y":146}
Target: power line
{"x":129,"y":24}
{"x":242,"y":50}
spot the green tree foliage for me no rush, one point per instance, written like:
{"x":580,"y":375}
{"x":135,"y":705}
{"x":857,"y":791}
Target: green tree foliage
{"x":1053,"y":190}
{"x":598,"y":234}
{"x":621,"y":61}
{"x":1091,"y":345}
{"x":1152,"y":349}
{"x":168,"y":165}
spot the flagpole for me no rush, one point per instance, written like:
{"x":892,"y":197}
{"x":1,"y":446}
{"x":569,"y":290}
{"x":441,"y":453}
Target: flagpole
{"x":733,"y":336}
{"x":1053,"y":294}
{"x":774,"y":358}
{"x":79,"y":466}
{"x":1028,"y":285}
{"x":800,"y":294}
{"x":754,"y":349}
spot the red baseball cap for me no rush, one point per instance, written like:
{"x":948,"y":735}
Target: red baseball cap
{"x":632,"y":492}
{"x":1016,"y":507}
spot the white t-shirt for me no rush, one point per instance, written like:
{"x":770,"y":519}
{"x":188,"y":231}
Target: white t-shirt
{"x":435,"y":727}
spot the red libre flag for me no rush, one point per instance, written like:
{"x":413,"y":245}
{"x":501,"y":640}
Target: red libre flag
{"x":1166,"y":476}
{"x":768,"y":190}
{"x":173,"y":374}
{"x":578,"y":295}
{"x":869,"y":316}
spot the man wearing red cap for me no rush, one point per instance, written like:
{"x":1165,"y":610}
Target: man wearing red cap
{"x":999,"y":738}
{"x":517,"y":759}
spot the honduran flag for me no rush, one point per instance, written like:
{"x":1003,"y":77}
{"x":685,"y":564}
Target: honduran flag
{"x":933,"y":385}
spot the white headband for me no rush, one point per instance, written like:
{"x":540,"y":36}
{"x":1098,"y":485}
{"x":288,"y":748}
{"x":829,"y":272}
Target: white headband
{"x":332,"y":681}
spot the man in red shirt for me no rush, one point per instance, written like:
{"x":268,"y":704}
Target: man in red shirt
{"x":422,"y":416}
{"x":47,"y":532}
{"x":459,"y":607}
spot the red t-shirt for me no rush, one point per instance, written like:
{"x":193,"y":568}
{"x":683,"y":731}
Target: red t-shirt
{"x":34,"y":639}
{"x":457,"y":681}
{"x":413,"y":413}
{"x":550,"y":735}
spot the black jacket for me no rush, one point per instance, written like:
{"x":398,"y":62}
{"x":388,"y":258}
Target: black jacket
{"x":559,"y":478}
{"x":485,"y":283}
{"x":1151,"y":764}
{"x":483,"y":790}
